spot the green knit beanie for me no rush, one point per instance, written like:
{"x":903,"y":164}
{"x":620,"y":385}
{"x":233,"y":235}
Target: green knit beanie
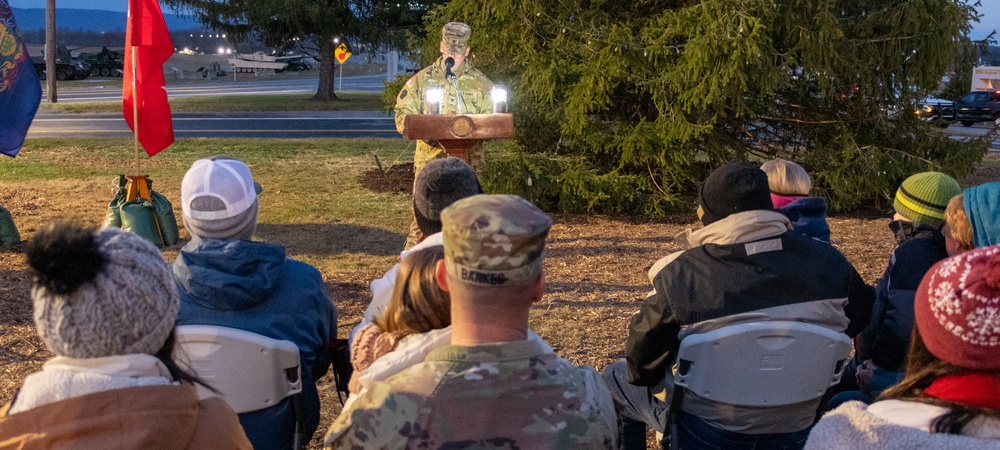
{"x":923,"y":197}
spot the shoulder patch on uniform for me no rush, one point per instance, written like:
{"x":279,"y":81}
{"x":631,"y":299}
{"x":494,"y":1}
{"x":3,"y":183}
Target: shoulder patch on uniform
{"x":402,"y":94}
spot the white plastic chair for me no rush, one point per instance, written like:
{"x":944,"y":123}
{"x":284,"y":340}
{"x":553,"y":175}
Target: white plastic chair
{"x":758,"y":364}
{"x":250,"y":371}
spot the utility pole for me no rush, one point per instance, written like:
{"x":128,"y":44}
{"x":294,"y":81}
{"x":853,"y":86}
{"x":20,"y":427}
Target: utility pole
{"x":50,"y":50}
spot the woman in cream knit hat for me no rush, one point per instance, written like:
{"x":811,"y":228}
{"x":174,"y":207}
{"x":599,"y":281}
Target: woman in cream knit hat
{"x":105,"y":304}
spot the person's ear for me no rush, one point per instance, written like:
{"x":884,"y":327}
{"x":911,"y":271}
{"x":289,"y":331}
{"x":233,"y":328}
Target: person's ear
{"x":441,"y":275}
{"x":441,"y":47}
{"x":467,"y":52}
{"x":538,"y":290}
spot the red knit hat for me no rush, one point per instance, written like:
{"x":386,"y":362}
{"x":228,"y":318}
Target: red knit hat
{"x":957,"y":309}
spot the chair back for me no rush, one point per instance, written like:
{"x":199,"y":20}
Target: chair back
{"x":250,"y":371}
{"x":771,"y":363}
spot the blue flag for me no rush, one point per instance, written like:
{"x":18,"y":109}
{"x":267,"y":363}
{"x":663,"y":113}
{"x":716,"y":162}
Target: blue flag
{"x":20,"y":91}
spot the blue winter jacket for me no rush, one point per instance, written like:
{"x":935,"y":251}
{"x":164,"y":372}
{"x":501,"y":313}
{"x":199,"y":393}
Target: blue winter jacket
{"x":252,"y":286}
{"x":808,"y":217}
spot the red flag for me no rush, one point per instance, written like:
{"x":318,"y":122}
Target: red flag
{"x":148,"y":37}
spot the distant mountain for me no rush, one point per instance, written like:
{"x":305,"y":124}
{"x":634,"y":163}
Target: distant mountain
{"x":30,"y":19}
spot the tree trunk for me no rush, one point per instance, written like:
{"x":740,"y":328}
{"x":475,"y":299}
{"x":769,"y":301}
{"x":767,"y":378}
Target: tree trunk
{"x":327,"y":68}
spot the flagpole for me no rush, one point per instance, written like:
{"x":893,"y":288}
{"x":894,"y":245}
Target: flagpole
{"x":135,"y":115}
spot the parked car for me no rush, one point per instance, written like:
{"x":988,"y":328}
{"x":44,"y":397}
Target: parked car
{"x":936,"y":110}
{"x":979,"y":107}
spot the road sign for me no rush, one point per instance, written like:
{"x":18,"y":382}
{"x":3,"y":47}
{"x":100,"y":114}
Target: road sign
{"x":342,"y":53}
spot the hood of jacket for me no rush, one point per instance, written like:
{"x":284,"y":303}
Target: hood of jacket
{"x":980,"y":204}
{"x":745,"y":226}
{"x":809,"y":206}
{"x":741,"y":227}
{"x":229,"y":274}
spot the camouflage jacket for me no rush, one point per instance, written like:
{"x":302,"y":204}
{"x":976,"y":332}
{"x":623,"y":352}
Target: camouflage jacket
{"x":501,"y":396}
{"x":472,"y":84}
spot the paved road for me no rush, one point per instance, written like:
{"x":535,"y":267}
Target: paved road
{"x":347,"y":124}
{"x":371,"y":83}
{"x":958,"y":132}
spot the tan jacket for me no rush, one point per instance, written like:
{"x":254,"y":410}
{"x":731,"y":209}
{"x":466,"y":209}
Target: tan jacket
{"x":147,"y":417}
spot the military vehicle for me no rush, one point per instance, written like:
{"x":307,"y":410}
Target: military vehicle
{"x":106,"y":63}
{"x":258,"y":62}
{"x":261,"y":62}
{"x":67,"y":67}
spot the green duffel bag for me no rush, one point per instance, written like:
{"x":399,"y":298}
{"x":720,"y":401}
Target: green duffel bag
{"x":8,"y":231}
{"x":139,"y":217}
{"x":113,"y":219}
{"x":165,"y":216}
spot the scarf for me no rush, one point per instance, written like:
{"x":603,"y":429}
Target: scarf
{"x":969,"y":389}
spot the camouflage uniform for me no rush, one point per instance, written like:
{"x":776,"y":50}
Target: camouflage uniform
{"x":506,"y":395}
{"x":471,"y":97}
{"x":475,"y":99}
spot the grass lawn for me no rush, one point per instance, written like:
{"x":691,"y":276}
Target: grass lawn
{"x":348,"y":101}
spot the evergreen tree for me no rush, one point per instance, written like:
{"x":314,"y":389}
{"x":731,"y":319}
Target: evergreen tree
{"x":627,"y":105}
{"x":378,"y":23}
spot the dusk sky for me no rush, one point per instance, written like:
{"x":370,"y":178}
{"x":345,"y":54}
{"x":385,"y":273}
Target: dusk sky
{"x":989,"y":22}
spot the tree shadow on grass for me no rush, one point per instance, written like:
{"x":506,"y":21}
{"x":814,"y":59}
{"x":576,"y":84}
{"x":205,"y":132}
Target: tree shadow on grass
{"x":325,"y":239}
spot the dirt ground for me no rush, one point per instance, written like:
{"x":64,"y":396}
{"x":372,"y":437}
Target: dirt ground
{"x":595,"y":267}
{"x":398,"y":179}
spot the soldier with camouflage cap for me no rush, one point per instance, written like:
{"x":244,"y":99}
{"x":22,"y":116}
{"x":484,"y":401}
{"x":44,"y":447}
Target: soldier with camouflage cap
{"x":468,"y":92}
{"x":471,"y":97}
{"x":491,"y":385}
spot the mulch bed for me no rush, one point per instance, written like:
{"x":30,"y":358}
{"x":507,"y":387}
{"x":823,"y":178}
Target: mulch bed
{"x":397,"y":179}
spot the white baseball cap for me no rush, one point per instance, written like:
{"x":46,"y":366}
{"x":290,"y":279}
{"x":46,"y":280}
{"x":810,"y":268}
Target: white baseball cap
{"x":217,"y":188}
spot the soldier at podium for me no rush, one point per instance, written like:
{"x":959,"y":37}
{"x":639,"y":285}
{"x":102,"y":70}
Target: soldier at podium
{"x":466,"y":91}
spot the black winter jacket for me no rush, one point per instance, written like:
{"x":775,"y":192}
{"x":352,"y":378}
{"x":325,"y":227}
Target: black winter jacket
{"x":886,"y":340}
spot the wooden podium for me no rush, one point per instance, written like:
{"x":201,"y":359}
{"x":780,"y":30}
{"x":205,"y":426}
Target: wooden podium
{"x":457,"y":133}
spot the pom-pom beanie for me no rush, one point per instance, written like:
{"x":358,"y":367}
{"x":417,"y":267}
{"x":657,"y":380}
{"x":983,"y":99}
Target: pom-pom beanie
{"x":102,"y":293}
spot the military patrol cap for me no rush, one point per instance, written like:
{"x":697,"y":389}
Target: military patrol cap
{"x":494,"y":240}
{"x":455,"y":37}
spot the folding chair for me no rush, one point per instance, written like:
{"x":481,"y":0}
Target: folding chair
{"x":250,"y":371}
{"x":758,"y":364}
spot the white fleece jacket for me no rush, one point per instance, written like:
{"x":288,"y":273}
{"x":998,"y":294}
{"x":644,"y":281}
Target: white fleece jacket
{"x":62,"y":378}
{"x":897,"y":424}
